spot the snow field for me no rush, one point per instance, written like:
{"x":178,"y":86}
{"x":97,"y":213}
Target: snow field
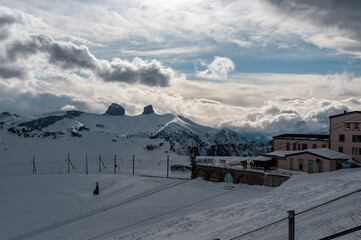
{"x":49,"y":205}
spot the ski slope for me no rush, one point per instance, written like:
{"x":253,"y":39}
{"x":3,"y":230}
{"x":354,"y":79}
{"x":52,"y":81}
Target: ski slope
{"x":55,"y":204}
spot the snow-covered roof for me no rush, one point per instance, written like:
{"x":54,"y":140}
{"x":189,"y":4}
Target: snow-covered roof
{"x":322,"y":152}
{"x":281,"y":153}
{"x":262,"y":159}
{"x":321,"y":137}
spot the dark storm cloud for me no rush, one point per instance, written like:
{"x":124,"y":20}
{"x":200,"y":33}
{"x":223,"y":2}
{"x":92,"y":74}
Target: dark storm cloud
{"x":4,"y":22}
{"x":151,"y":74}
{"x":342,"y":14}
{"x":11,"y":72}
{"x":19,"y":54}
{"x":24,"y":101}
{"x":66,"y":55}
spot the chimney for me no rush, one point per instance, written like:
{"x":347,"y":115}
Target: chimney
{"x":345,"y":112}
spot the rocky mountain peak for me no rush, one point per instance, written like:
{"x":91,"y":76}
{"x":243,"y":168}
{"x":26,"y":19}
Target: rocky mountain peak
{"x":148,"y":109}
{"x":115,"y":110}
{"x":7,"y":115}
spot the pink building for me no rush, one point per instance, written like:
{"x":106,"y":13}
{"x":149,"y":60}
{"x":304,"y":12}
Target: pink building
{"x":345,"y":134}
{"x":287,"y":142}
{"x":321,"y":153}
{"x":309,"y":160}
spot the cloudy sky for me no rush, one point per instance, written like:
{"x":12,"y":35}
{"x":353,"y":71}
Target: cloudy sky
{"x":260,"y":66}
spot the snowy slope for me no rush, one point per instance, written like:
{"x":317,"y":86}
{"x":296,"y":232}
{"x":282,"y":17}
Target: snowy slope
{"x":55,"y":204}
{"x":167,"y":126}
{"x":248,"y":213}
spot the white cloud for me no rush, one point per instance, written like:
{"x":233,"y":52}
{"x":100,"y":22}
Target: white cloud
{"x":256,"y":23}
{"x":241,"y":43}
{"x":249,"y":102}
{"x":16,"y":53}
{"x":193,"y":50}
{"x":209,"y":105}
{"x":68,"y":108}
{"x":352,"y":61}
{"x":218,"y":69}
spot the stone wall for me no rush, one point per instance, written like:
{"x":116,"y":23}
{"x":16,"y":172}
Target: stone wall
{"x":217,"y":174}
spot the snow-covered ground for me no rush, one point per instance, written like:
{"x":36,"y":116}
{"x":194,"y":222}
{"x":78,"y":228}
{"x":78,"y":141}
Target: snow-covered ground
{"x":54,"y":204}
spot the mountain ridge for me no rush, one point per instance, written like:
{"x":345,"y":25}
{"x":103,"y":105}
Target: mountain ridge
{"x":149,"y":124}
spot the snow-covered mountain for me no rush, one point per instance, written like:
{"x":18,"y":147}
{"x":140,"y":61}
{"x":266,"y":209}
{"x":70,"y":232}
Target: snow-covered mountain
{"x":148,"y":124}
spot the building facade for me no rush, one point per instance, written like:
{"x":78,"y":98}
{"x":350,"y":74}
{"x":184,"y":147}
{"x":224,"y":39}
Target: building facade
{"x":310,"y":160}
{"x":345,"y":134}
{"x":295,"y":142}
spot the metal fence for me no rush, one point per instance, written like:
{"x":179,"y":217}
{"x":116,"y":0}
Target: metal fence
{"x":338,"y":219}
{"x":89,"y":164}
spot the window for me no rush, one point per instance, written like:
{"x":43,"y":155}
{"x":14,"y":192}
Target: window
{"x":300,"y":164}
{"x":356,"y":151}
{"x":320,"y":166}
{"x":348,"y":126}
{"x":296,"y":146}
{"x":341,"y":137}
{"x":314,"y":145}
{"x":340,"y":149}
{"x":228,"y":177}
{"x":356,"y":126}
{"x":323,"y":145}
{"x":310,"y":165}
{"x":288,"y":147}
{"x":356,"y":138}
{"x":304,"y":146}
{"x":291,"y":163}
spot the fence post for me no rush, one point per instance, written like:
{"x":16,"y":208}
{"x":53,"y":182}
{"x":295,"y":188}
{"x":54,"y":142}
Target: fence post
{"x":86,"y":163}
{"x":291,"y":225}
{"x":115,"y":164}
{"x":168,"y":166}
{"x":133,"y":164}
{"x":70,"y":163}
{"x":34,"y":166}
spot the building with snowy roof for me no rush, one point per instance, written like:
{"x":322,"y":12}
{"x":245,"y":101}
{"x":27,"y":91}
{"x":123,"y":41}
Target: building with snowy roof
{"x":287,"y":142}
{"x":321,"y":153}
{"x":345,"y":134}
{"x":310,"y":160}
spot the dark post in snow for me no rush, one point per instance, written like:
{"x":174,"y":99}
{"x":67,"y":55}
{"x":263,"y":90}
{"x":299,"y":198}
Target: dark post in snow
{"x":99,"y":163}
{"x":133,"y":164}
{"x":70,"y":163}
{"x":168,"y":166}
{"x":115,"y":164}
{"x":193,"y":162}
{"x":291,"y":225}
{"x":34,"y":166}
{"x":86,"y":163}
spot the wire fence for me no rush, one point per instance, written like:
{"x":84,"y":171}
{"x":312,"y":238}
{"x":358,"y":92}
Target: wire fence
{"x":339,"y":219}
{"x":88,"y":164}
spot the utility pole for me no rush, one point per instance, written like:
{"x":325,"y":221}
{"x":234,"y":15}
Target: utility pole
{"x":99,"y":163}
{"x":291,"y":225}
{"x":86,"y":163}
{"x":168,"y":166}
{"x":133,"y":164}
{"x":34,"y":166}
{"x":115,"y":163}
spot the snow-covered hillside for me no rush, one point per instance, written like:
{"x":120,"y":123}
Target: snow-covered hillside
{"x":55,"y":204}
{"x":149,"y":124}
